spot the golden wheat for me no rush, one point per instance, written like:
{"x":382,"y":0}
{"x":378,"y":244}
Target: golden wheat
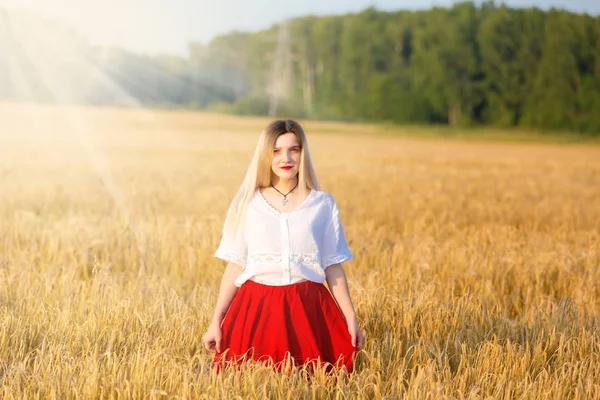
{"x":475,"y":275}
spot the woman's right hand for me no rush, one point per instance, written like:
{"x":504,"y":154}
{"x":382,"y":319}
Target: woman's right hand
{"x":212,"y":338}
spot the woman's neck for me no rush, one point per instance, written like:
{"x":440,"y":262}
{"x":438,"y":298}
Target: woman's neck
{"x":284,"y":185}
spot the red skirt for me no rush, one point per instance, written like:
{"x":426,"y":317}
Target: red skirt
{"x":298,"y":323}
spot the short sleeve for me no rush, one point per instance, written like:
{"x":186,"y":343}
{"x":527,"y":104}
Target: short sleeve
{"x":335,"y":249}
{"x":233,"y":247}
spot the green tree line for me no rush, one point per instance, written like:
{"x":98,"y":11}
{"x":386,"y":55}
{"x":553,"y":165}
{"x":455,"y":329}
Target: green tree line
{"x":469,"y":64}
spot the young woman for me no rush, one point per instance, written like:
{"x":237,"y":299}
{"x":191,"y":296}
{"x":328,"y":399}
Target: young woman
{"x":282,"y":239}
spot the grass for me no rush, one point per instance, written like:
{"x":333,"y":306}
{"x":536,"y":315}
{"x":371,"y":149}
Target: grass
{"x":475,"y":272}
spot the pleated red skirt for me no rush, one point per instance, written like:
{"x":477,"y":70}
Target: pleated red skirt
{"x":297,"y":324}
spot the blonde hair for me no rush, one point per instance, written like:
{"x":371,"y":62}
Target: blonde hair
{"x":259,"y":171}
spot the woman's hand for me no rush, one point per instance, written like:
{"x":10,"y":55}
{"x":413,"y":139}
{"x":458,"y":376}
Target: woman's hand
{"x":227,"y":291}
{"x":355,"y":333}
{"x":212,"y":338}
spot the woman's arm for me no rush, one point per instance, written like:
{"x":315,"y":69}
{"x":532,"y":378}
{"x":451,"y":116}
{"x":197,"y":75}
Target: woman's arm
{"x":227,"y":291}
{"x":338,"y":285}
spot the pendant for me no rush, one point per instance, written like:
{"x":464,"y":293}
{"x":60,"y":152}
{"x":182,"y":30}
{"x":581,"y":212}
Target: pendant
{"x":284,"y":201}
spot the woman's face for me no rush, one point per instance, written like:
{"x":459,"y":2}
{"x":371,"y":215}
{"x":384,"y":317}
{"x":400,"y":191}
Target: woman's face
{"x":286,"y":154}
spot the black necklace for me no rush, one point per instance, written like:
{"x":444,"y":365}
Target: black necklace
{"x":285,"y":200}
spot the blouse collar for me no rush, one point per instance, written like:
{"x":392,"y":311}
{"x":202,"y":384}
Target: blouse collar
{"x":278,"y":213}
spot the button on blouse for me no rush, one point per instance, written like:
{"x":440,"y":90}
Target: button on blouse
{"x":278,"y":248}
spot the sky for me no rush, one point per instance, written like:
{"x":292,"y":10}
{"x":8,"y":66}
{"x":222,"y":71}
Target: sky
{"x":167,"y":26}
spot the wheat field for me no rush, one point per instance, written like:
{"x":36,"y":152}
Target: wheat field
{"x":475,"y":275}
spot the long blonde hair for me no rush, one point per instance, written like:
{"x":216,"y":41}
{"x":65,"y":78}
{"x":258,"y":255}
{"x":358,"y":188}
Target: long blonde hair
{"x":259,"y":171}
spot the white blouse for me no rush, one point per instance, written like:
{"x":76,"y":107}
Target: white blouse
{"x":277,"y":248}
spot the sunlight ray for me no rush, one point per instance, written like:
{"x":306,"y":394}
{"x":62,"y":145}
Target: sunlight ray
{"x":36,"y":51}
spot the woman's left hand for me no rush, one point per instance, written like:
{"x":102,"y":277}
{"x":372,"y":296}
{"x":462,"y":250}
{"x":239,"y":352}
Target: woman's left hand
{"x":356,"y":334}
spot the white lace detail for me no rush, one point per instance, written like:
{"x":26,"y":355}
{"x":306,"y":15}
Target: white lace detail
{"x":309,"y":260}
{"x":265,"y":259}
{"x":305,"y":258}
{"x":335,"y":259}
{"x":234,"y":258}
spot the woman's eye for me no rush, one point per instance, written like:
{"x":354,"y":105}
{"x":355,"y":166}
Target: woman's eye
{"x":295,"y":150}
{"x":275,"y":151}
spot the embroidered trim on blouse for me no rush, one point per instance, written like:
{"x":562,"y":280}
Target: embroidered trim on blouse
{"x":234,"y":258}
{"x":309,"y":260}
{"x":264,"y":258}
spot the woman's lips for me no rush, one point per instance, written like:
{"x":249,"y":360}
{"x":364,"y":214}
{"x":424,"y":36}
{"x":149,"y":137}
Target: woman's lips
{"x":286,"y":168}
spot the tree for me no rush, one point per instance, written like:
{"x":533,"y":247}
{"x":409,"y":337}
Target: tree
{"x":553,"y":100}
{"x":499,"y":41}
{"x":446,"y":64}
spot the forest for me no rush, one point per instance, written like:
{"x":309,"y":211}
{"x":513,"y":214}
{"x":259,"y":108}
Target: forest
{"x":470,"y":64}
